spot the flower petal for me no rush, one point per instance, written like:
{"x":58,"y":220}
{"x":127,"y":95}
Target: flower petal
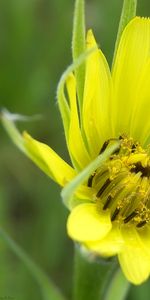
{"x":87,"y":223}
{"x":96,"y":98}
{"x":133,"y":259}
{"x":76,"y":144}
{"x":110,"y":245}
{"x":132,"y":54}
{"x":47,"y":159}
{"x":144,"y":236}
{"x":140,"y":123}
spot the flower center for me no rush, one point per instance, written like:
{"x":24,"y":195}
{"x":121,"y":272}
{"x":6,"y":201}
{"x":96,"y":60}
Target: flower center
{"x":123,"y":183}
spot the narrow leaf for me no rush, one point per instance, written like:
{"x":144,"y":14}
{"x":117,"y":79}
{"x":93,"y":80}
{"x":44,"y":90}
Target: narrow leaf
{"x":26,"y":144}
{"x":48,"y":289}
{"x":78,"y":46}
{"x":62,"y":101}
{"x":128,"y":12}
{"x":7,"y":120}
{"x":71,"y":187}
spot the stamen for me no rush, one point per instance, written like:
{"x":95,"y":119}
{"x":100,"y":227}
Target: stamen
{"x":133,"y":148}
{"x":139,"y":168}
{"x":123,"y":183}
{"x":104,"y":186}
{"x":90,"y":180}
{"x":104,"y":147}
{"x":115,"y":214}
{"x":106,"y":144}
{"x":107,"y":202}
{"x":130,"y":217}
{"x":142,"y":223}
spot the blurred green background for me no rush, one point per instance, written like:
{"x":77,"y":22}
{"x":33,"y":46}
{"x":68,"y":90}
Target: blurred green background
{"x":35,"y":48}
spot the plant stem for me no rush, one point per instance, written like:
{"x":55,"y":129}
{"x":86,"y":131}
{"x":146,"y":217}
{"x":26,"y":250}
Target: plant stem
{"x":91,"y":277}
{"x":118,"y":287}
{"x":48,"y":289}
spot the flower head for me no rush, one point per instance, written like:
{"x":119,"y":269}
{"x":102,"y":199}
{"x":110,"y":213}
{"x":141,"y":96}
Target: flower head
{"x":110,"y":211}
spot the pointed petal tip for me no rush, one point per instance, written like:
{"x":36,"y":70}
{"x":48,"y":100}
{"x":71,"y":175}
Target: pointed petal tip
{"x":138,"y":20}
{"x":26,"y":135}
{"x":70,"y":78}
{"x":91,"y":42}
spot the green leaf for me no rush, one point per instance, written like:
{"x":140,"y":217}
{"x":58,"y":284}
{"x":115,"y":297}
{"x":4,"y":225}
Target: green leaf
{"x":62,"y":101}
{"x":70,"y":188}
{"x":7,"y":120}
{"x":28,"y":149}
{"x":24,"y":142}
{"x":48,"y":289}
{"x":118,"y":287}
{"x":128,"y":13}
{"x":78,"y":46}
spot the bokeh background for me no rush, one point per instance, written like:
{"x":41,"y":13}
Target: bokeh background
{"x":35,"y":48}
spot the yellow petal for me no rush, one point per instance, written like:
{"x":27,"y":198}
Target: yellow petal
{"x":76,"y":144}
{"x":144,"y":237}
{"x":86,"y":223}
{"x":140,"y":123}
{"x":52,"y":164}
{"x":134,"y":260}
{"x":110,"y":245}
{"x":96,"y":113}
{"x":132,"y":54}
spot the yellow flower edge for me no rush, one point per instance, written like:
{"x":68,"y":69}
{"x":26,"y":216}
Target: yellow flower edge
{"x":111,"y":212}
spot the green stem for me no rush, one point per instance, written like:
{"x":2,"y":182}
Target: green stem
{"x":91,"y":277}
{"x":128,"y":12}
{"x":48,"y":289}
{"x":118,"y":287}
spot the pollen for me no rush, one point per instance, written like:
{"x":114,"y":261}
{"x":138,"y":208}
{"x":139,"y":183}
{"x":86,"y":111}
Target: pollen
{"x":123,"y":183}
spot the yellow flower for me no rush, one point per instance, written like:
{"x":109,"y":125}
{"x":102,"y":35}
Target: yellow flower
{"x":110,"y":213}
